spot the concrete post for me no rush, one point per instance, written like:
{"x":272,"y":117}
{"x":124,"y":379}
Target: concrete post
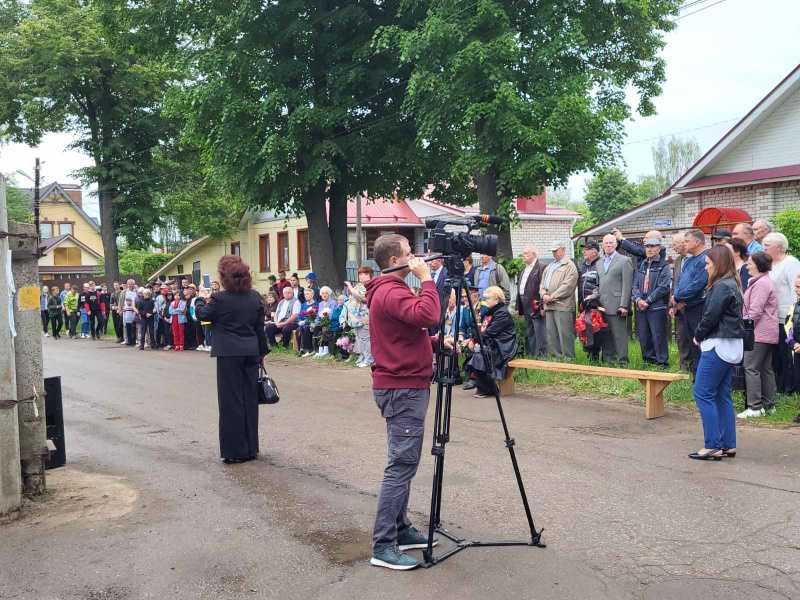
{"x":28,"y":358}
{"x":10,"y":477}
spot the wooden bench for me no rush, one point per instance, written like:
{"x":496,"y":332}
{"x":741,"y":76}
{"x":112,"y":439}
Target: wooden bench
{"x":654,"y":382}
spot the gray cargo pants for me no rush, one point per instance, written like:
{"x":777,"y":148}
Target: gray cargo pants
{"x":404,"y":411}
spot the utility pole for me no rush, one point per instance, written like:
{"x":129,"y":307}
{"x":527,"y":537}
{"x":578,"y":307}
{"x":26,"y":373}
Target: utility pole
{"x":359,"y":248}
{"x":37,"y":171}
{"x":10,"y":474}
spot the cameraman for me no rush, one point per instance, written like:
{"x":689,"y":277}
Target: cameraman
{"x":401,"y":377}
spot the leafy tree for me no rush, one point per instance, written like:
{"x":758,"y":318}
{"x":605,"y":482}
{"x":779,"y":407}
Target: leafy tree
{"x":18,"y":204}
{"x":671,"y":158}
{"x":295,"y":111}
{"x":586,"y":219}
{"x":610,"y":193}
{"x":648,"y":187}
{"x":521,"y":95}
{"x":135,"y":261}
{"x":89,"y":67}
{"x":788,"y":223}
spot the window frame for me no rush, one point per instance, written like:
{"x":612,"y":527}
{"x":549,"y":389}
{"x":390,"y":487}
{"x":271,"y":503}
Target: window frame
{"x":264,"y":254}
{"x":45,"y":224}
{"x":283,"y":251}
{"x":303,"y":250}
{"x":236,"y":248}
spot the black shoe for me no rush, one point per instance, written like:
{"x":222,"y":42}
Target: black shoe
{"x":235,"y":461}
{"x":710,"y":455}
{"x":470,"y":385}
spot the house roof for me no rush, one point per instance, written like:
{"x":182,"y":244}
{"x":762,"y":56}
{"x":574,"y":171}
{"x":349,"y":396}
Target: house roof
{"x":183,"y":252}
{"x":383,"y":211}
{"x":49,"y":244}
{"x":692,"y":178}
{"x":742,"y":177}
{"x":60,"y":189}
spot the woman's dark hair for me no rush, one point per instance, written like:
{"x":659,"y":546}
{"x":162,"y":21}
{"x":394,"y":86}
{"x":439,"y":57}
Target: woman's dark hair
{"x":740,"y":248}
{"x":762,"y":261}
{"x":368,"y":270}
{"x":234,"y":273}
{"x":722,"y":259}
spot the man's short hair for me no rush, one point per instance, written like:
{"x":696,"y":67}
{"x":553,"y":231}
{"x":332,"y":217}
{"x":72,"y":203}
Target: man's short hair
{"x":696,"y":234}
{"x":747,"y":228}
{"x":777,"y":239}
{"x":387,"y":246}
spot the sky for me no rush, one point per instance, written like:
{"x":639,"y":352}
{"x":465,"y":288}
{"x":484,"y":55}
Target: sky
{"x":721,"y":61}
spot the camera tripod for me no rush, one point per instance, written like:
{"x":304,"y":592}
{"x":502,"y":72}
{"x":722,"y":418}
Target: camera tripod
{"x":446,"y":375}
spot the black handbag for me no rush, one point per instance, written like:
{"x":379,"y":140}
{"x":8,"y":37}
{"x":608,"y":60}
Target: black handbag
{"x":267,"y":390}
{"x":749,"y":336}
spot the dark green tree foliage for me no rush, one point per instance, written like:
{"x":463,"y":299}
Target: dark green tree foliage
{"x":610,"y":193}
{"x":295,"y":110}
{"x":19,"y":205}
{"x":89,"y":67}
{"x":520,"y":95}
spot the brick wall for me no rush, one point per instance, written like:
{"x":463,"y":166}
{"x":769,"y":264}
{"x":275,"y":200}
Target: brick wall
{"x":541,"y":235}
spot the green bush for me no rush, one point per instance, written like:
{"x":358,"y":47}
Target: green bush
{"x":788,"y":223}
{"x":513,"y":266}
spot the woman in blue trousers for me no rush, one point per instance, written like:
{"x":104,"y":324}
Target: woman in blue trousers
{"x":719,"y":335}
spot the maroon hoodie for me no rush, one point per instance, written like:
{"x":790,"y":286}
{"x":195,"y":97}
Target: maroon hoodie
{"x":399,"y":341}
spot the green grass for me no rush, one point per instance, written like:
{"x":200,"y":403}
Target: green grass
{"x":678,"y":393}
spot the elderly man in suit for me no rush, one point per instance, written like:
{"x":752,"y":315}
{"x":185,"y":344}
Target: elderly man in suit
{"x":439,"y":274}
{"x":559,"y":280}
{"x":616,"y":281}
{"x":529,"y":302}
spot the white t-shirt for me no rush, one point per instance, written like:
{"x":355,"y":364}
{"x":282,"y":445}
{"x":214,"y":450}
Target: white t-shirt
{"x":730,"y":350}
{"x":783,"y":275}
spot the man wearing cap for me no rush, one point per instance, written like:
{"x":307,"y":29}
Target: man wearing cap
{"x":529,"y":302}
{"x":311,"y":283}
{"x":616,"y":281}
{"x":720,"y":236}
{"x":559,"y":280}
{"x":587,"y":283}
{"x":651,"y":291}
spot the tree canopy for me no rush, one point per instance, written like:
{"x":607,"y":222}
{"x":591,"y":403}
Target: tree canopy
{"x":610,"y":193}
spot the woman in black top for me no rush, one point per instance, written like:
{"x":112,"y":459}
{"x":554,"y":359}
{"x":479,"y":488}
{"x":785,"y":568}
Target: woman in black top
{"x":237,"y":326}
{"x":499,"y":337}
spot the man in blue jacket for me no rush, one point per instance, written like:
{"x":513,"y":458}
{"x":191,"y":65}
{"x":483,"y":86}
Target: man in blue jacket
{"x":689,"y":295}
{"x":651,"y":287}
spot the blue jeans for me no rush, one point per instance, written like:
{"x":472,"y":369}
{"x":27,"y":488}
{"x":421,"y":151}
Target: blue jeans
{"x":712,"y":393}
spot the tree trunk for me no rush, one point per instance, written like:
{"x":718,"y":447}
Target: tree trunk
{"x":109,"y":237}
{"x":489,"y":202}
{"x":319,"y":238}
{"x":337,"y":229}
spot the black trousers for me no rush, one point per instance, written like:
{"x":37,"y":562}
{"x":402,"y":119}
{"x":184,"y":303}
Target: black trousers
{"x":148,"y":332}
{"x":45,"y":320}
{"x":130,"y":333}
{"x":95,"y":323}
{"x":237,"y":394}
{"x":782,"y":363}
{"x":693,"y":315}
{"x":72,"y":323}
{"x":307,"y":338}
{"x":190,"y":334}
{"x":55,"y":321}
{"x":118,"y":327}
{"x":652,"y":327}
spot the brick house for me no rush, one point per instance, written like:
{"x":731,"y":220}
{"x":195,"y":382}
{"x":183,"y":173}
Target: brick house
{"x":754,"y":167}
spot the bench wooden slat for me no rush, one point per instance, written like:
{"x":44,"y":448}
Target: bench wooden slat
{"x":544,"y":365}
{"x":654,"y":382}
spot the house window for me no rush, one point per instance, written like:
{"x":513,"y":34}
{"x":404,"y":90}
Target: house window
{"x":263,"y":253}
{"x":180,"y":269}
{"x":236,"y":248}
{"x":64,"y":228}
{"x":196,"y":272}
{"x":45,"y":230}
{"x":303,"y":258}
{"x":283,"y":251}
{"x":63,"y":257}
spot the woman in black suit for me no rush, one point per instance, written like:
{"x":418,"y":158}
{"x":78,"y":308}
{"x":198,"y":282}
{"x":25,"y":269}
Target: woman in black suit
{"x":239,"y":344}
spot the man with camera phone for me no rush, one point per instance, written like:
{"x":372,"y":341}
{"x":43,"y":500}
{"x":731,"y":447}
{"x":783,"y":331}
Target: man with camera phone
{"x":401,"y":377}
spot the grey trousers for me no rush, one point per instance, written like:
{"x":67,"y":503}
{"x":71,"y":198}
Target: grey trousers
{"x":759,"y":377}
{"x":560,"y":326}
{"x":615,"y":340}
{"x":536,"y":344}
{"x":404,"y":411}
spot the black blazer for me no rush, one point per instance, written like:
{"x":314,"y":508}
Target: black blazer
{"x":440,"y":283}
{"x":237,"y":323}
{"x":526,"y":297}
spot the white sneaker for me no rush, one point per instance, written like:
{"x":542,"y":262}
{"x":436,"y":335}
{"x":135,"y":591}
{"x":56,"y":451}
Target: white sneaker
{"x":46,"y":334}
{"x":307,"y":354}
{"x":323,"y":352}
{"x":746,"y":414}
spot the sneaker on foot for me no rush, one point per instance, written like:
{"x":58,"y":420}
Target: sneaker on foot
{"x":469,"y":385}
{"x":411,"y":538}
{"x":392,"y":558}
{"x":746,"y":414}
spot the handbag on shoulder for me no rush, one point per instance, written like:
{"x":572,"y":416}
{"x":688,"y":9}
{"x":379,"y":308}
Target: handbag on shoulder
{"x":749,"y":336}
{"x":267,"y":390}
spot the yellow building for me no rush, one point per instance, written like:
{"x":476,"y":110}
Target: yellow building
{"x":71,"y":245}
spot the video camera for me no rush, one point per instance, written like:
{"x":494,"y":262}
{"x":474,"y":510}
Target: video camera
{"x":462,"y":243}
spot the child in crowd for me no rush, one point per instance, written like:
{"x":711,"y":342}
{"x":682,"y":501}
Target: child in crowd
{"x":129,"y":321}
{"x":177,"y":311}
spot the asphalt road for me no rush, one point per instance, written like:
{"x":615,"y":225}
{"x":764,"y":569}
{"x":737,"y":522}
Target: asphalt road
{"x":146,"y":510}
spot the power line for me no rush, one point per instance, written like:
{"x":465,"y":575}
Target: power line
{"x":658,"y":137}
{"x":700,"y":9}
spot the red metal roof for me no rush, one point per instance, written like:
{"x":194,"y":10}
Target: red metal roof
{"x":745,"y":177}
{"x":383,"y":211}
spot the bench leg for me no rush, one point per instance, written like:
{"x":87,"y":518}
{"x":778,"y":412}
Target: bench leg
{"x":295,"y":340}
{"x":507,"y":385}
{"x":653,"y":397}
